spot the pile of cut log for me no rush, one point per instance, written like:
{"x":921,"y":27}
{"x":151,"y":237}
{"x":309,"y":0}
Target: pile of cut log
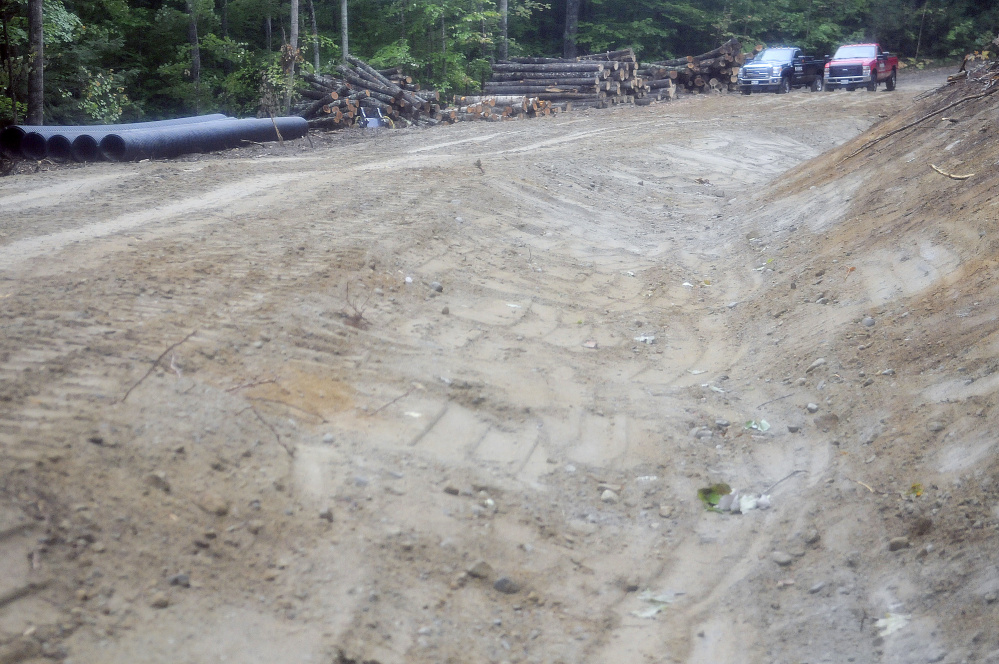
{"x":714,"y":71}
{"x":502,"y":107}
{"x":601,"y":79}
{"x":333,"y":102}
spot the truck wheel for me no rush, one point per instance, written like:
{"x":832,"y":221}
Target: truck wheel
{"x":747,"y":91}
{"x":818,"y":84}
{"x":892,"y":80}
{"x":785,"y":86}
{"x":873,"y":85}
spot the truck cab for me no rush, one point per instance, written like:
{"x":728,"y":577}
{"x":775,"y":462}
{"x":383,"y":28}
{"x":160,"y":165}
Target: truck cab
{"x":779,"y":69}
{"x":861,"y":65}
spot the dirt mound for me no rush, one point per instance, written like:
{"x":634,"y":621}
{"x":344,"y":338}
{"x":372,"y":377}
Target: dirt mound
{"x":884,"y":304}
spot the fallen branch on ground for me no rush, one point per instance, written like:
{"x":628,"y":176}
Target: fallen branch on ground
{"x":951,"y":175}
{"x":158,"y":360}
{"x":277,"y":436}
{"x":949,"y":106}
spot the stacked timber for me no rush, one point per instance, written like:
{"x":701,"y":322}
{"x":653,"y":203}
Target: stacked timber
{"x":502,"y":107}
{"x":633,"y":87}
{"x":594,"y":80}
{"x":714,"y":71}
{"x":333,"y":102}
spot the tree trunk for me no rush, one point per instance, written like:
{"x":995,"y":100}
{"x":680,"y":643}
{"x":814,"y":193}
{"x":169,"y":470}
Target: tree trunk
{"x":524,"y":79}
{"x":268,"y":31}
{"x":571,"y":28}
{"x":551,"y":77}
{"x":504,"y":37}
{"x":556,"y":67}
{"x":36,"y":73}
{"x":343,"y":30}
{"x":315,"y":35}
{"x":292,"y":55}
{"x":531,"y":90}
{"x":224,"y":18}
{"x":192,"y":38}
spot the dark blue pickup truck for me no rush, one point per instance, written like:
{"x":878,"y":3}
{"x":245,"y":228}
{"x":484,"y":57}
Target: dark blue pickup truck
{"x":780,"y":69}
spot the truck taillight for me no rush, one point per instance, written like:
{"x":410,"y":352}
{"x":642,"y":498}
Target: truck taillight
{"x":827,"y":66}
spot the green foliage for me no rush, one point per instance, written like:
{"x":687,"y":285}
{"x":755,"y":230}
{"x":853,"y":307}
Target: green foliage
{"x":103,"y":98}
{"x":130,"y":59}
{"x":7,"y":109}
{"x":396,"y":54}
{"x":58,"y":24}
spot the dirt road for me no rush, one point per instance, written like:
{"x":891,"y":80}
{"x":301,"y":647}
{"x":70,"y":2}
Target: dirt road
{"x":449,"y":395}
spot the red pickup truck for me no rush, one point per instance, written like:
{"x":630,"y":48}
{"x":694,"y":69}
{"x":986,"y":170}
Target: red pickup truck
{"x":861,"y":65}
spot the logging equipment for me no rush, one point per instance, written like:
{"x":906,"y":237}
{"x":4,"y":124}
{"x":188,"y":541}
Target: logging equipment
{"x":372,"y":118}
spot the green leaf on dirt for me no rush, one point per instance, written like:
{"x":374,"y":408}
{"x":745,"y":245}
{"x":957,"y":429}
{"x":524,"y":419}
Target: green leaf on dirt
{"x":762,"y":425}
{"x":712,"y":494}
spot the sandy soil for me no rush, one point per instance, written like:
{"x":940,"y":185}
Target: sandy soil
{"x":449,"y":395}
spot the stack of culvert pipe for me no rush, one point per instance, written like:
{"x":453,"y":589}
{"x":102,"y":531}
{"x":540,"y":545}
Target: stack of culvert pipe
{"x":33,"y":141}
{"x":173,"y":141}
{"x":145,"y":140}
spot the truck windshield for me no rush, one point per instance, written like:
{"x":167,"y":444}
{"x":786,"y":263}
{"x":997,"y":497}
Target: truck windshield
{"x":775,"y":55}
{"x":847,"y":52}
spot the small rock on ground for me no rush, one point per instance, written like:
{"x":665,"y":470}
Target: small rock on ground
{"x":182,"y":580}
{"x":782,"y":558}
{"x":898,"y":543}
{"x":158,"y":480}
{"x":505,"y":584}
{"x":480,"y":570}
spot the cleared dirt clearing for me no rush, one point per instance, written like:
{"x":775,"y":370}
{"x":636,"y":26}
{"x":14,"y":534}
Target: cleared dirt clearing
{"x":373,"y":378}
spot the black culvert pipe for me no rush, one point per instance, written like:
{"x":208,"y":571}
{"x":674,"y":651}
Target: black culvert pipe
{"x":168,"y":142}
{"x":12,"y":138}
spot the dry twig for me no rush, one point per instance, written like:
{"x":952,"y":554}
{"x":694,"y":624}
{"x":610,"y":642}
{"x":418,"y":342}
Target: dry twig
{"x":384,"y":406}
{"x":786,"y":477}
{"x":909,"y":125}
{"x":951,"y":175}
{"x":250,"y":384}
{"x":865,"y":486}
{"x":288,"y":405}
{"x":277,"y":436}
{"x":154,"y":364}
{"x":355,"y":319}
{"x":777,"y":399}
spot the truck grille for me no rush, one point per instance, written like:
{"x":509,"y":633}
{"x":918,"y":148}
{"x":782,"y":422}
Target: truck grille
{"x":845,"y":70}
{"x":755,"y":73}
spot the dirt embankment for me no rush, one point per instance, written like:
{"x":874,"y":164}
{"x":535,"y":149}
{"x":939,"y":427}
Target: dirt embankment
{"x":455,"y":403}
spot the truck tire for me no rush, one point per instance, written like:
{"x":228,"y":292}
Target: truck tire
{"x":818,"y":85}
{"x":785,"y":86}
{"x":873,"y":85}
{"x":892,"y":80}
{"x":747,"y":91}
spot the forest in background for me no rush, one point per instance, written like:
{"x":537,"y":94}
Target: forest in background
{"x":108,"y":61}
